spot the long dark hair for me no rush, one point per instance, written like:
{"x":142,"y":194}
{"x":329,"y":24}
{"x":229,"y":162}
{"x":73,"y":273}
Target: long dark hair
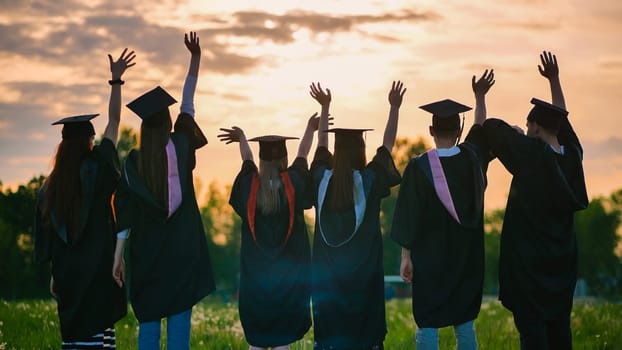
{"x":345,"y":161}
{"x":63,"y":189}
{"x":152,"y":163}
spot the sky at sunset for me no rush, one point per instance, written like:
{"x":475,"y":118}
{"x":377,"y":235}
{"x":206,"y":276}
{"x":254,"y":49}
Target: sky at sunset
{"x":259,"y":58}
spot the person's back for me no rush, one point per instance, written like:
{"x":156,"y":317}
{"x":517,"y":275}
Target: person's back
{"x":438,"y":221}
{"x":538,"y":258}
{"x":74,"y":227}
{"x":274,"y":291}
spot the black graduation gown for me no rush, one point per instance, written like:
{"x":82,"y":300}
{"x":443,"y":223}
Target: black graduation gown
{"x":89,"y":300}
{"x":538,"y":259}
{"x":169,"y":265}
{"x":348,"y":281}
{"x":447,"y":257}
{"x":275,"y":288}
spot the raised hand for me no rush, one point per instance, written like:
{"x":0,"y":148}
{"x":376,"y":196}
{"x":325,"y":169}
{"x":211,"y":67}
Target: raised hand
{"x":234,"y":134}
{"x":396,"y":94}
{"x":484,"y":83}
{"x":192,"y":43}
{"x":118,"y":67}
{"x":549,"y":68}
{"x":314,"y":121}
{"x":319,"y":95}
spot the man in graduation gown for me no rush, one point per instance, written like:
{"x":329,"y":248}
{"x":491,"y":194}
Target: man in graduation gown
{"x":538,"y":262}
{"x":438,"y":221}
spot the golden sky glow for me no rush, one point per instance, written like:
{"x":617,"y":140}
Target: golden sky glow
{"x":260,"y":57}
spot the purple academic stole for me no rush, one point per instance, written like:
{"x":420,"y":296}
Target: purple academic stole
{"x":174,"y":185}
{"x":440,"y":184}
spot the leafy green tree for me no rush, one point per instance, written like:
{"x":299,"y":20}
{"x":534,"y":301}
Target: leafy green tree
{"x":19,"y":275}
{"x":223,"y":232}
{"x":597,"y":239}
{"x":493,"y":222}
{"x":128,"y":139}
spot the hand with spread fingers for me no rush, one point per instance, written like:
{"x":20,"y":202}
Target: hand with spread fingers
{"x":234,"y":134}
{"x":319,"y":95}
{"x":484,"y":83}
{"x":314,"y":121}
{"x":396,"y":94}
{"x":192,"y":43}
{"x":549,"y":68}
{"x":118,"y":67}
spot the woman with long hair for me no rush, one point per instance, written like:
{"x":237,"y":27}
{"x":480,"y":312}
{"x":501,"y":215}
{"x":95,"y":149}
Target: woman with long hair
{"x":347,"y":273}
{"x":157,"y":210}
{"x":274,"y":258}
{"x":74,"y":225}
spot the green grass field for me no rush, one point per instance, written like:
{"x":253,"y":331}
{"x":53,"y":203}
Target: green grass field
{"x":34,"y":325}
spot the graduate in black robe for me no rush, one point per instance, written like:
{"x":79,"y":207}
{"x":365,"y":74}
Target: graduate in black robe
{"x":275,"y":286}
{"x":74,"y":226}
{"x":347,"y":271}
{"x":538,"y":261}
{"x":439,"y":222}
{"x":170,"y":268}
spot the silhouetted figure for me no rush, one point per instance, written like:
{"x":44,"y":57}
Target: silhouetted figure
{"x":169,"y":263}
{"x":275,"y":276}
{"x":74,"y":227}
{"x":538,"y":262}
{"x":347,"y":272}
{"x":439,"y":222}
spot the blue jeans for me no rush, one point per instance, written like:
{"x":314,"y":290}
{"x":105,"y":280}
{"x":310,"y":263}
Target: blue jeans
{"x":427,"y":338}
{"x":177,"y":333}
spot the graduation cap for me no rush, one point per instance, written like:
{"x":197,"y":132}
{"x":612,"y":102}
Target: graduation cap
{"x":546,"y":115}
{"x":348,"y":137}
{"x":149,"y":104}
{"x":77,"y":126}
{"x":272,"y":146}
{"x":445,"y":114}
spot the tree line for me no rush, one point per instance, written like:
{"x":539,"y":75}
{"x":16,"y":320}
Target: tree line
{"x":597,"y":229}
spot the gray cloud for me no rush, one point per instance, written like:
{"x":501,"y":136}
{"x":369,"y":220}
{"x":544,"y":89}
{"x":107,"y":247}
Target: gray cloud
{"x":68,"y":42}
{"x":534,"y":25}
{"x":611,"y":64}
{"x":603,"y":149}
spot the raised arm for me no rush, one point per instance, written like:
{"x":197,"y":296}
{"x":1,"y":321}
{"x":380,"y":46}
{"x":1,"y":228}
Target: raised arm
{"x":396,"y":94}
{"x":324,"y":99}
{"x":307,"y":139}
{"x":191,"y":41}
{"x":480,"y":88}
{"x":236,"y":134}
{"x":117,"y":68}
{"x":550,"y":70}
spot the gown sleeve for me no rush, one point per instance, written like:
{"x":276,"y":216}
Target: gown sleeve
{"x":476,"y":141}
{"x":387,"y":174}
{"x":106,"y":155}
{"x":236,"y":200}
{"x":301,"y":170}
{"x":511,"y":147}
{"x":124,"y":202}
{"x":187,"y":126}
{"x":406,"y":213}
